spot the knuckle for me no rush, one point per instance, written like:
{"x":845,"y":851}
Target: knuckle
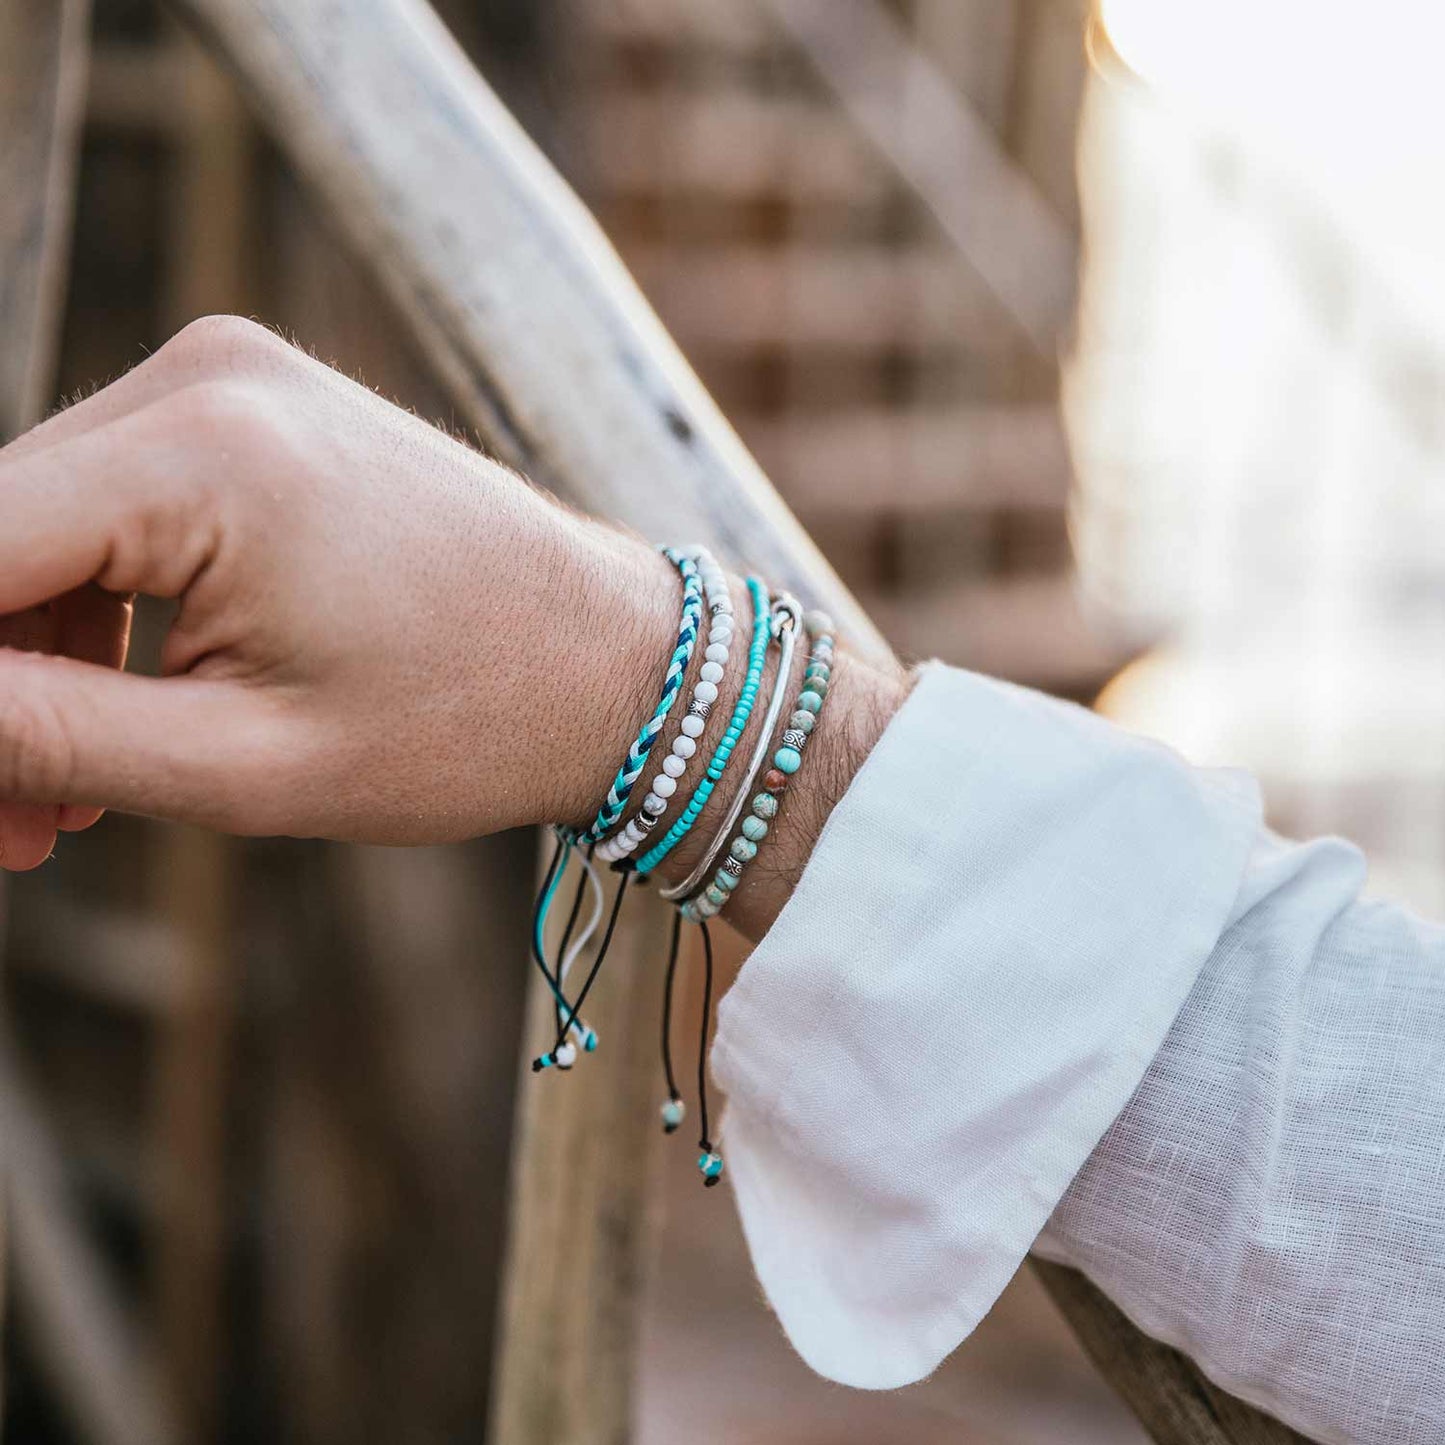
{"x":37,"y":760}
{"x":213,"y":345}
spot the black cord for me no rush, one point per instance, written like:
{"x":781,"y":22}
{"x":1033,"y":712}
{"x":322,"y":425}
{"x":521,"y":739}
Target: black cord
{"x":672,"y":1092}
{"x":705,"y":1143}
{"x":596,"y":962}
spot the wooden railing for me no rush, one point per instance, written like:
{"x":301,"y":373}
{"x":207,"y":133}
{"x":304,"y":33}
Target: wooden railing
{"x":552,"y":354}
{"x":42,"y":87}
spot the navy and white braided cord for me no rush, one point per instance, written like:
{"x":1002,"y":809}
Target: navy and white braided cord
{"x":636,"y":760}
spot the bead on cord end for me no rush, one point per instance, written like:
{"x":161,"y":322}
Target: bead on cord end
{"x":565,"y":1055}
{"x":674,"y":1111}
{"x":711,"y":1164}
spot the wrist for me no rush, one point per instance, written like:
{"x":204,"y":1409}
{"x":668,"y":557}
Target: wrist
{"x":622,"y":614}
{"x":862,"y":700}
{"x":629,"y":612}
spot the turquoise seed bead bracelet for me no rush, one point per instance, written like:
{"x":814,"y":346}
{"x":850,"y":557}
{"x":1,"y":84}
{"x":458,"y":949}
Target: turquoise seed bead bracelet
{"x":785,"y":623}
{"x":737,"y":725}
{"x":787,"y":759}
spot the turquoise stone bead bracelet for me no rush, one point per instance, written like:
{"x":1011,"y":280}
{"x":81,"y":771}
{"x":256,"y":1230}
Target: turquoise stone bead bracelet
{"x":737,"y":725}
{"x":787,"y":759}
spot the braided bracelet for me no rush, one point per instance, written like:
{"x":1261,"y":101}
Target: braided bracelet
{"x":704,"y":694}
{"x":786,"y":761}
{"x":631,"y":769}
{"x":737,"y":725}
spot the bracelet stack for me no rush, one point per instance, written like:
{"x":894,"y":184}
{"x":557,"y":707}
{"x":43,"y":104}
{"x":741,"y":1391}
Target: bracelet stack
{"x":737,"y":725}
{"x":778,"y":624}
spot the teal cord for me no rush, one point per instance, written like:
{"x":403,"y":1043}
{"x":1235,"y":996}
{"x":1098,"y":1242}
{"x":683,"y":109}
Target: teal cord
{"x":560,"y":859}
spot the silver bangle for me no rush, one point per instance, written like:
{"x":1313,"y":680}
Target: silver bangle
{"x":787,"y":621}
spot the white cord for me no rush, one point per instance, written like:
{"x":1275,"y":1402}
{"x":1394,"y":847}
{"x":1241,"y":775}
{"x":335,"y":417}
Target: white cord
{"x":574,"y":949}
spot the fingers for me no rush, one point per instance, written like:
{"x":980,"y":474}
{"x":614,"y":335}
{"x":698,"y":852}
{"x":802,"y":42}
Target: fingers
{"x":27,"y":830}
{"x":27,"y":835}
{"x":94,"y":626}
{"x":193,"y":750}
{"x":125,"y":505}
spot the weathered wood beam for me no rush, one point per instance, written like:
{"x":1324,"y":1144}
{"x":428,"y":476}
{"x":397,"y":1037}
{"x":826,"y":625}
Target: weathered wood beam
{"x":105,"y":1380}
{"x":527,"y":313}
{"x":517,"y":298}
{"x":193,"y":875}
{"x":43,"y":46}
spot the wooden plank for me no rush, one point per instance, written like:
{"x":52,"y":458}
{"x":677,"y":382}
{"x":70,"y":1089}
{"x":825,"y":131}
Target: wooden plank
{"x":579,"y":1219}
{"x":921,"y":461}
{"x":133,"y":87}
{"x":548,"y":346}
{"x":93,"y":1352}
{"x":43,"y":45}
{"x":1029,"y":629}
{"x":727,"y":142}
{"x":939,"y":143}
{"x":740,"y":30}
{"x":125,"y":960}
{"x":972,"y":42}
{"x":192,"y":874}
{"x":817,"y":296}
{"x":42,"y":89}
{"x":550,"y":350}
{"x":1045,"y":102}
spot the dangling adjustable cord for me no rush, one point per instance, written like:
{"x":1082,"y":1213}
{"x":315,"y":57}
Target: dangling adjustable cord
{"x":585,"y":1036}
{"x":673,"y":1109}
{"x":710,"y":1162}
{"x":547,"y":1060}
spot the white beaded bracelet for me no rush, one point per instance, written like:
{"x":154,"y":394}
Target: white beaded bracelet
{"x":664,"y":785}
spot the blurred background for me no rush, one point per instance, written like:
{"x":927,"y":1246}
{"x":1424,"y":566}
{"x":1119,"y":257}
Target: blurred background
{"x":261,"y":1093}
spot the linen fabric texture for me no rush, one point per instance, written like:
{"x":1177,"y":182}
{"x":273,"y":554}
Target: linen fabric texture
{"x":1045,"y":985}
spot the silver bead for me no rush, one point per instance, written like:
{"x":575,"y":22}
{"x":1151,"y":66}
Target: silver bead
{"x":733,"y":865}
{"x":700,"y":708}
{"x":794,"y":738}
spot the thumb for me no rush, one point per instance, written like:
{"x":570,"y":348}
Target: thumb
{"x":188,"y":749}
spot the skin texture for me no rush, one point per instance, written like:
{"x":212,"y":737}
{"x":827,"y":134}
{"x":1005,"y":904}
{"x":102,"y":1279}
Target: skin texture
{"x":382,"y":636}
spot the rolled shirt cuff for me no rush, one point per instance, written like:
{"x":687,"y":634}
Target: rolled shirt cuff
{"x":1000,"y":921}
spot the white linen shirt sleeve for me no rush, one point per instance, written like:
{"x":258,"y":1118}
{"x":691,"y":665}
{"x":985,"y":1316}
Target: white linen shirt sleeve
{"x":983,"y":974}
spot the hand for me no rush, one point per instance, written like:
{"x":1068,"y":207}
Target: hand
{"x":381,"y":635}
